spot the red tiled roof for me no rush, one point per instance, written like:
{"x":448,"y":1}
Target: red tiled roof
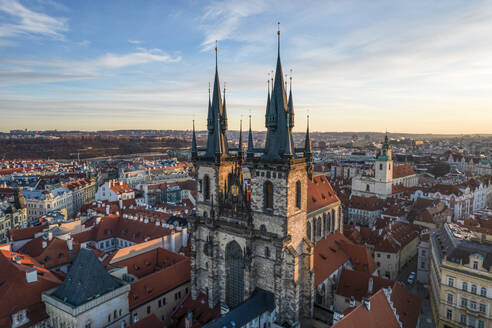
{"x":150,"y":321}
{"x":403,"y":170}
{"x":26,"y":233}
{"x":202,"y":314}
{"x":56,"y":252}
{"x":17,"y":293}
{"x":320,"y":193}
{"x":356,"y":284}
{"x":120,"y":187}
{"x":329,"y":256}
{"x":366,"y":203}
{"x":115,"y":226}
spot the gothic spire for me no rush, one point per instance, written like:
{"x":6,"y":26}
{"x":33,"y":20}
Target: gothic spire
{"x":279,"y":141}
{"x":290,"y":104}
{"x":217,"y":136}
{"x":307,"y":143}
{"x":250,"y":139}
{"x":210,"y":116}
{"x":223,"y":117}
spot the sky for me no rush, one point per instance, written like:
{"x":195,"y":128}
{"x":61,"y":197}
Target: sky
{"x":402,"y":66}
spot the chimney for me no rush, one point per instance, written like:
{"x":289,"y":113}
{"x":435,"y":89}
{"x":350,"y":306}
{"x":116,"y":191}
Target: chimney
{"x":70,"y":244}
{"x":371,"y":286}
{"x":107,"y":209}
{"x":367,"y":304}
{"x":44,"y":244}
{"x":31,"y":275}
{"x":173,"y":241}
{"x":50,"y":235}
{"x":98,"y":220}
{"x":189,"y":319}
{"x":120,"y":203}
{"x":185,"y":237}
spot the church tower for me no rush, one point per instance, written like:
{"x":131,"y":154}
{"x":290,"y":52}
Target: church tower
{"x":384,"y":170}
{"x":254,"y":237}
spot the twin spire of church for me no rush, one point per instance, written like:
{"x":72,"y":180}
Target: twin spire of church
{"x":217,"y":119}
{"x":279,"y":120}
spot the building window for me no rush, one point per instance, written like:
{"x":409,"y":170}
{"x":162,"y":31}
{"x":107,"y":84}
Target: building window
{"x":148,"y":309}
{"x":451,"y":282}
{"x":472,"y":322}
{"x":464,"y":286}
{"x":88,"y":324}
{"x":267,"y":252}
{"x":449,"y":315}
{"x":388,"y":256}
{"x":464,"y":302}
{"x":474,"y":289}
{"x":298,"y":194}
{"x":482,"y":307}
{"x":483,"y":292}
{"x":473,"y":305}
{"x":450,"y":298}
{"x":463,"y":319}
{"x":380,"y":167}
{"x":481,"y":324}
{"x":159,"y":303}
{"x":475,"y":265}
{"x":268,"y":195}
{"x":164,"y":301}
{"x":206,"y":182}
{"x":109,"y":317}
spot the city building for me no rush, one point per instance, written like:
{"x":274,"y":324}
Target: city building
{"x":114,"y":191}
{"x":22,"y":280}
{"x":460,"y":276}
{"x":387,"y":178}
{"x":247,"y":240}
{"x":88,"y":297}
{"x":160,"y":280}
{"x":391,"y":307}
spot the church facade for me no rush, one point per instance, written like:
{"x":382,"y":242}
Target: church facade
{"x":247,"y":238}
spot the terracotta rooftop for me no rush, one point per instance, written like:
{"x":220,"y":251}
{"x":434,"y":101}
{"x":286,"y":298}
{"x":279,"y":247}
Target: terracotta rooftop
{"x":320,"y":193}
{"x":16,"y":293}
{"x":403,"y":170}
{"x":356,"y":284}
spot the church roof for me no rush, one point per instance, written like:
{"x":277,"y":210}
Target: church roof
{"x":87,"y":279}
{"x":260,"y":302}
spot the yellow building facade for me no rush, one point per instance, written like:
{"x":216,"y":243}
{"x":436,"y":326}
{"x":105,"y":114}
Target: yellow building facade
{"x":461,"y":277}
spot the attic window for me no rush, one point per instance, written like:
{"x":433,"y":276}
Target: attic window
{"x":61,"y":255}
{"x":314,"y":199}
{"x":47,"y":258}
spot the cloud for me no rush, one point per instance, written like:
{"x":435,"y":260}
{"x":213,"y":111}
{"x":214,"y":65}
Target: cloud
{"x":135,"y":41}
{"x":222,"y":18}
{"x":24,"y":21}
{"x":25,"y":71}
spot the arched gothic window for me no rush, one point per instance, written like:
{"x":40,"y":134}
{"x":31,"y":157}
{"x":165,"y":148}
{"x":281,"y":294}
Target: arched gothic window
{"x":268,"y":195}
{"x":267,"y":252}
{"x":318,"y":227}
{"x":234,"y":274}
{"x":206,"y":183}
{"x":298,"y":194}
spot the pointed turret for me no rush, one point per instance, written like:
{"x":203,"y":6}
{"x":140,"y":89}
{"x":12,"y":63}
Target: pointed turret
{"x":290,"y":106}
{"x":307,"y":143}
{"x":210,"y":116}
{"x":279,"y":141}
{"x":251,"y":147}
{"x":217,"y":136}
{"x":194,"y":149}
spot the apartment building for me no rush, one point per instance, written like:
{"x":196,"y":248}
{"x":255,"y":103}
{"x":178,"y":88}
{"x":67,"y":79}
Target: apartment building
{"x":461,"y":277}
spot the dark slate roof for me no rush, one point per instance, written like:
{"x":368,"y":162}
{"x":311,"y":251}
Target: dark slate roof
{"x":260,"y":302}
{"x":87,"y":279}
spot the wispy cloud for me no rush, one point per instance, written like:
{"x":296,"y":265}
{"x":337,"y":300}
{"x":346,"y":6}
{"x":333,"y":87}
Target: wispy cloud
{"x":222,"y":18}
{"x":135,"y":41}
{"x":24,"y":21}
{"x":26,"y":71}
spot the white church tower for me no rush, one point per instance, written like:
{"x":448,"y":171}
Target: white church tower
{"x":384,"y":171}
